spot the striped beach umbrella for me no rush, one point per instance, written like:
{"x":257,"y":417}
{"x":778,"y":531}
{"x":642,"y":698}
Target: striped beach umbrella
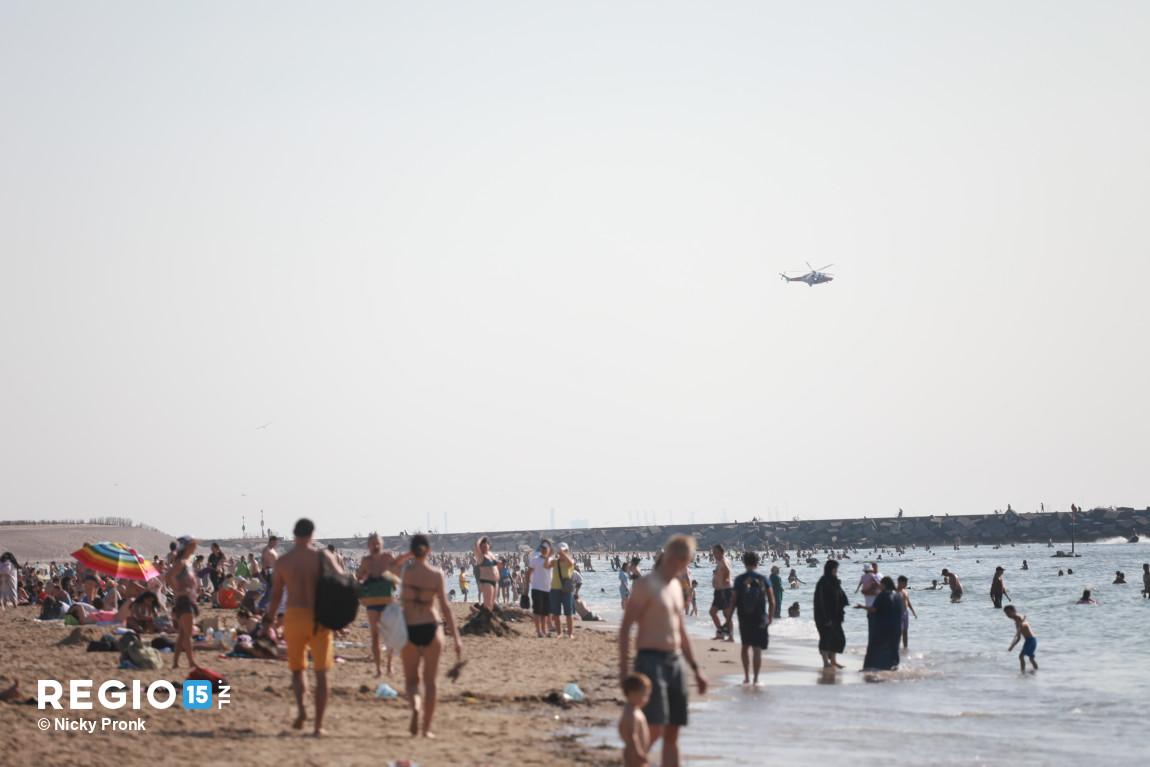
{"x":116,"y":560}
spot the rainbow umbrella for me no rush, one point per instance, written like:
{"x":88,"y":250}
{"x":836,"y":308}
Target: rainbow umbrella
{"x":116,"y":560}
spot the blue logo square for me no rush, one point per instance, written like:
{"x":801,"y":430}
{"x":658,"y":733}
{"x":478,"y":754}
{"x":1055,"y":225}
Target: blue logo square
{"x":198,"y":694}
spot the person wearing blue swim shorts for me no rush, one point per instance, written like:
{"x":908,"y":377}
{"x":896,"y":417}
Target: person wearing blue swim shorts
{"x":1024,"y":632}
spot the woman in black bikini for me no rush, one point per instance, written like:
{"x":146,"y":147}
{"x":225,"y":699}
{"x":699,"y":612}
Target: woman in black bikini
{"x":488,"y":572}
{"x":423,"y":584}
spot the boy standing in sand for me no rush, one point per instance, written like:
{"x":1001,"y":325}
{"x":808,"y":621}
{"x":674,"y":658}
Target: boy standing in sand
{"x":633,"y":725}
{"x":664,"y":648}
{"x":1022,"y":631}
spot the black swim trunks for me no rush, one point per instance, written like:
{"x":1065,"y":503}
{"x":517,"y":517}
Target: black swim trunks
{"x":722,"y":598}
{"x":668,"y":675}
{"x":184,"y":605}
{"x":753,"y":633}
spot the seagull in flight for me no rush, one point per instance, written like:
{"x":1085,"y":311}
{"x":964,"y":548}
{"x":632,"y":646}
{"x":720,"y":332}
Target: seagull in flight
{"x":269,"y":423}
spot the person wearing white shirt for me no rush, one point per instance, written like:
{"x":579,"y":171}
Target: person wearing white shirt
{"x":539,"y":576}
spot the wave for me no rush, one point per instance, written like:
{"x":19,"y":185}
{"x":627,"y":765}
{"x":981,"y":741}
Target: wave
{"x":1111,"y":541}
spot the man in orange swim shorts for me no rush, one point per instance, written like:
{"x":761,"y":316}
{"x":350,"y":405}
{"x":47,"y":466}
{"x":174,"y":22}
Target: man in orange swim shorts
{"x":298,"y":572}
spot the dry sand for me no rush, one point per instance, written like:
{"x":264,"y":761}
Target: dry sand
{"x":496,"y":713}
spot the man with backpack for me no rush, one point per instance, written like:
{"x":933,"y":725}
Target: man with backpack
{"x":754,"y":600}
{"x":299,"y":572}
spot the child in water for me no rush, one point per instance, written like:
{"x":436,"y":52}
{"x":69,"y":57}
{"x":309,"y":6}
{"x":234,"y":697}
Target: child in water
{"x":694,"y":597}
{"x":633,"y":725}
{"x":907,"y":607}
{"x":1022,"y":631}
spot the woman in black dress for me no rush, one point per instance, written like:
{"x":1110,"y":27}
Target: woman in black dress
{"x":885,"y":629}
{"x":830,"y":602}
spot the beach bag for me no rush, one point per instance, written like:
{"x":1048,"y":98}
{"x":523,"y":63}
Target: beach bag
{"x":378,"y":590}
{"x":392,"y":627}
{"x":524,"y":601}
{"x":106,"y":643}
{"x":145,"y":656}
{"x":125,"y":641}
{"x":336,"y":596}
{"x":201,"y":673}
{"x":52,"y":610}
{"x":265,"y":648}
{"x":164,"y":643}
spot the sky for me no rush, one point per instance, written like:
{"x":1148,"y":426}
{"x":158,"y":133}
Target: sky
{"x":467,"y":263}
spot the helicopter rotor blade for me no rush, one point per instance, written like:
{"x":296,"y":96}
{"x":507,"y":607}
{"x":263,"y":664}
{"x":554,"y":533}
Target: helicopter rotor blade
{"x":828,"y":266}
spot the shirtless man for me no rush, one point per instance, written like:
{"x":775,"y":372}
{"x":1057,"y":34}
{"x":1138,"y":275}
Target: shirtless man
{"x":298,"y":572}
{"x":268,"y":559}
{"x":723,"y":585}
{"x":955,"y":584}
{"x":378,"y":572}
{"x":662,"y":643}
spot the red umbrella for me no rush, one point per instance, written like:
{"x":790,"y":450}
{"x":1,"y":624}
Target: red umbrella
{"x":116,"y":560}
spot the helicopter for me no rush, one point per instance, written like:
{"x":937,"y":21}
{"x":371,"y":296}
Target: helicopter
{"x":814,"y":277}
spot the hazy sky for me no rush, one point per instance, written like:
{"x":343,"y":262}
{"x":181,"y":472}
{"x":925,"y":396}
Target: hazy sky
{"x":486,"y":259}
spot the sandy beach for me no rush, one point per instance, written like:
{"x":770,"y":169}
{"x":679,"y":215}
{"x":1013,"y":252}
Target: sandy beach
{"x":495,"y":713}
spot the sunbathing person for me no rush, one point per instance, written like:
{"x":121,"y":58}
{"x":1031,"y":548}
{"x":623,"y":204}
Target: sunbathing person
{"x":585,"y":611}
{"x":99,"y":615}
{"x":141,"y":616}
{"x":247,"y":622}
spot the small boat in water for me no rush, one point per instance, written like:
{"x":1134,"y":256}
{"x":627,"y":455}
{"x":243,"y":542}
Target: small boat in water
{"x":1133,"y":537}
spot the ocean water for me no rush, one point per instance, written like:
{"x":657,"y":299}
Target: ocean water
{"x":958,"y":697}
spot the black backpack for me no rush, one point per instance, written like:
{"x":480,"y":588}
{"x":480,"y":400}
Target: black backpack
{"x":336,"y":596}
{"x":51,"y":610}
{"x":753,"y":598}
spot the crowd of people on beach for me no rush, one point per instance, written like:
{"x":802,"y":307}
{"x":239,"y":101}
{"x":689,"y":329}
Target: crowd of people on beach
{"x":274,"y":599}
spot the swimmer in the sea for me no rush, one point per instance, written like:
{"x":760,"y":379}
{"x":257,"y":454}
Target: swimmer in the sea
{"x":955,"y":584}
{"x":998,"y":589}
{"x":1087,"y":599}
{"x":1022,"y":631}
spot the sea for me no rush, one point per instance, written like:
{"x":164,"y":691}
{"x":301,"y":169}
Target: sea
{"x":958,"y":697}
